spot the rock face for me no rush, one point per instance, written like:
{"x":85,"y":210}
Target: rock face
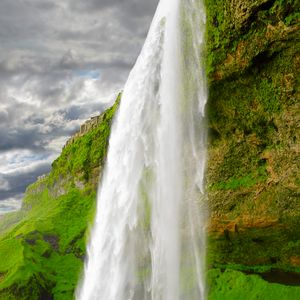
{"x":254,"y":163}
{"x":87,"y":126}
{"x":239,"y":13}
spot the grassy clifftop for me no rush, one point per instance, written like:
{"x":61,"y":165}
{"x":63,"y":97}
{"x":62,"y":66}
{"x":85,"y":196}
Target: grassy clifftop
{"x":42,"y":246}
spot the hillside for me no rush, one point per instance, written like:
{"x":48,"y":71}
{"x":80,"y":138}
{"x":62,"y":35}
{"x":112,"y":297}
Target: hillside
{"x":42,"y":247}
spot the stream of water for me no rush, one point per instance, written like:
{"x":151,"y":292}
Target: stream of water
{"x":148,"y":239}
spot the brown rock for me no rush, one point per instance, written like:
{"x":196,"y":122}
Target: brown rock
{"x":295,"y":261}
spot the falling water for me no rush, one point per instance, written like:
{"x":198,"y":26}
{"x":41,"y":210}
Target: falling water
{"x":148,"y":240}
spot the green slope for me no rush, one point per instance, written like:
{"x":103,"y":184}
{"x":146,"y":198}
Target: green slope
{"x":42,"y":247}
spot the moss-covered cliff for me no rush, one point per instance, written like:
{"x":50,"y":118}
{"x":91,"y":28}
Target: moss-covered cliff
{"x":253,"y":113}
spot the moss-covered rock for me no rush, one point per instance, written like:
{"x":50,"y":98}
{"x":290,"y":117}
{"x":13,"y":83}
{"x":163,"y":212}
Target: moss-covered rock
{"x":253,"y":173}
{"x":240,"y":32}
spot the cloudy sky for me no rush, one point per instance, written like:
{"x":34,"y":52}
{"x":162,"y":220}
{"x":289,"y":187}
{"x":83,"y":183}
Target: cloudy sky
{"x":60,"y":63}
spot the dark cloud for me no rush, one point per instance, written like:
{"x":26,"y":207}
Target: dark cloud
{"x":128,"y":8}
{"x":17,"y":182}
{"x":76,"y":112}
{"x":93,"y":5}
{"x":20,"y":139}
{"x":32,"y":129}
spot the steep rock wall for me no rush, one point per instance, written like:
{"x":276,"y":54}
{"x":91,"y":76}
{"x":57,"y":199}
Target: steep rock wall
{"x":253,"y":113}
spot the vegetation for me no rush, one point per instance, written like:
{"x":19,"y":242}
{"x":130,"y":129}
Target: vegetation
{"x":234,"y":285}
{"x":42,"y":254}
{"x":42,"y":247}
{"x":253,"y":169}
{"x":80,"y":158}
{"x":240,"y":30}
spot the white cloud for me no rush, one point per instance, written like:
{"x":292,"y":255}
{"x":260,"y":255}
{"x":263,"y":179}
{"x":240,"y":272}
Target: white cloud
{"x":11,"y":204}
{"x":22,"y":161}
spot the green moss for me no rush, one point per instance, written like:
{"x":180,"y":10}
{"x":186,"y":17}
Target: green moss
{"x":239,"y":32}
{"x":10,"y":259}
{"x":217,"y":38}
{"x":247,"y":181}
{"x":233,"y":285}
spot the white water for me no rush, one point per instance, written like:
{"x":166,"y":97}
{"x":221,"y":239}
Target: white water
{"x":148,"y":239}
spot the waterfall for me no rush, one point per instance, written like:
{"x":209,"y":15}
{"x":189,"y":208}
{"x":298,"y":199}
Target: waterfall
{"x":148,"y":240}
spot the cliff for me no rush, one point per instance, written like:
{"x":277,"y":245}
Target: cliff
{"x":253,"y":113}
{"x":253,"y":178}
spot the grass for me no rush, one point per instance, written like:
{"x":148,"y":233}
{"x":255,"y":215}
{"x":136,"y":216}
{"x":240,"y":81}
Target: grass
{"x":48,"y":245}
{"x":235,"y":285}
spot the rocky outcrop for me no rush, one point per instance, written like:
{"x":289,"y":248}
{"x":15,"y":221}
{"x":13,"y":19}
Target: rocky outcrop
{"x":87,"y":126}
